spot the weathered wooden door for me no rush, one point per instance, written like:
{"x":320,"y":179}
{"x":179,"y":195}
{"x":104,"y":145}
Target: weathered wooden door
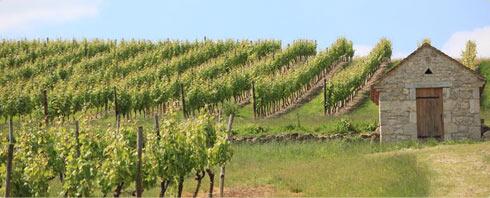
{"x":429,"y":113}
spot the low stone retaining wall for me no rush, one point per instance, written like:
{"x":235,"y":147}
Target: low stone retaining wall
{"x":303,"y":137}
{"x":300,"y":137}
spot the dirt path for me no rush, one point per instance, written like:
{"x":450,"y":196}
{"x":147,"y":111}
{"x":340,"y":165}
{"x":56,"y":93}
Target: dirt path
{"x":363,"y":92}
{"x":310,"y":94}
{"x":257,"y":191}
{"x":461,"y":170}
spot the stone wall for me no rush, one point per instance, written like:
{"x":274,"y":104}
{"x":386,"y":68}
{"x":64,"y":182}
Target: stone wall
{"x":461,"y":96}
{"x":462,"y":113}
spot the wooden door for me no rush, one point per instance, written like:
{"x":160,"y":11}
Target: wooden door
{"x":429,"y":113}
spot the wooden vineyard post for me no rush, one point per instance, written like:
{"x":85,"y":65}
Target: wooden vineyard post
{"x":222,"y":170}
{"x":182,"y":99}
{"x":115,"y":101}
{"x":85,"y":50}
{"x":157,"y":127}
{"x":10,"y":157}
{"x":254,"y":103}
{"x":45,"y":107}
{"x":222,"y":181}
{"x":116,"y":110}
{"x":219,"y":116}
{"x":139,"y":182}
{"x":325,"y":96}
{"x":77,"y":140}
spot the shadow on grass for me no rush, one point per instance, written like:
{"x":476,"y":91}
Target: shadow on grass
{"x":333,"y":169}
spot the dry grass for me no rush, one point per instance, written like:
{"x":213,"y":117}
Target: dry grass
{"x":460,"y":170}
{"x":327,"y":169}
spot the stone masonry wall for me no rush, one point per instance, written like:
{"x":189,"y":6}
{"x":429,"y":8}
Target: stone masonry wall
{"x":397,"y":99}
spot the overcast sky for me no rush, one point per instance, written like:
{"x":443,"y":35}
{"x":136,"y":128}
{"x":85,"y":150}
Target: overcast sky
{"x":449,"y":23}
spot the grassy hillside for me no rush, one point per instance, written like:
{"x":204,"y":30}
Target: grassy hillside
{"x":484,"y":68}
{"x":308,"y":118}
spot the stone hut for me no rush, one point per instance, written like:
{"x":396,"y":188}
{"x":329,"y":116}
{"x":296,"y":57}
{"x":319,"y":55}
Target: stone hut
{"x":429,"y":95}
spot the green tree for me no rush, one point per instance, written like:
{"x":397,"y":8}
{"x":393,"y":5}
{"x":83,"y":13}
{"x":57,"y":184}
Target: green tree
{"x":425,"y":40}
{"x":468,"y":55}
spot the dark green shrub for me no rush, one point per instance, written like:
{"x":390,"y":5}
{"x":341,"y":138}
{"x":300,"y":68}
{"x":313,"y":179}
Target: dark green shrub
{"x":344,"y":126}
{"x":290,"y":127}
{"x":254,"y":130}
{"x":368,"y":126}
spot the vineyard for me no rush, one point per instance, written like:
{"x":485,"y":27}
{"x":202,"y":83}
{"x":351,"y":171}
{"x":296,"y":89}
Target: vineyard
{"x":344,"y":85}
{"x":57,"y":79}
{"x":86,"y":158}
{"x":51,"y":89}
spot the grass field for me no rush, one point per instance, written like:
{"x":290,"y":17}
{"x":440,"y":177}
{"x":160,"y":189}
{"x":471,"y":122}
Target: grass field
{"x":360,"y":169}
{"x":340,"y":168}
{"x":328,"y":169}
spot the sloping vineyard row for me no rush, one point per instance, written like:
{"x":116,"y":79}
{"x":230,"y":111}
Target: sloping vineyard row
{"x":238,"y":83}
{"x":145,"y":89}
{"x":272,"y":95}
{"x":127,"y":58}
{"x":96,"y":90}
{"x":21,"y":97}
{"x":32,"y":69}
{"x":66,"y":98}
{"x":149,"y":76}
{"x":344,"y":84}
{"x":231,"y":60}
{"x":156,"y":92}
{"x":17,"y":53}
{"x":88,"y":67}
